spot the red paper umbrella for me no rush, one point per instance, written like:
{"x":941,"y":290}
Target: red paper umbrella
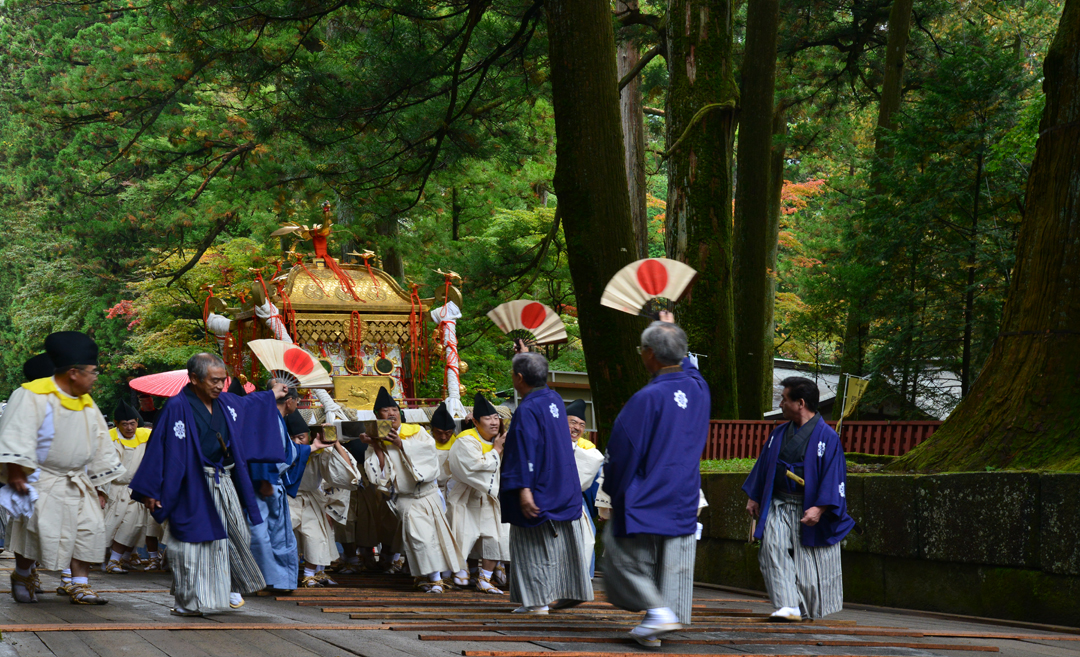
{"x":639,"y":282}
{"x":531,"y":317}
{"x":169,"y":384}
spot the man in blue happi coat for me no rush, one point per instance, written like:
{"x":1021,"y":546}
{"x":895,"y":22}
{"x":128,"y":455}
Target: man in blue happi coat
{"x":195,"y":476}
{"x":540,"y":496}
{"x":797,"y":493}
{"x":273,"y":543}
{"x":652,"y":476}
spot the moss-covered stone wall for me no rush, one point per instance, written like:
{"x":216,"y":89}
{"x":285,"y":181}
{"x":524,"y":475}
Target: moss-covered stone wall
{"x":997,"y":544}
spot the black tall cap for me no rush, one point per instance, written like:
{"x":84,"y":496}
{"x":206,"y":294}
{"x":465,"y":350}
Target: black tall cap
{"x":70,"y":348}
{"x":38,"y":367}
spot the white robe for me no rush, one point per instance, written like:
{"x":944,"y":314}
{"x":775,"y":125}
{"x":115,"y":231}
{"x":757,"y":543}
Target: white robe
{"x":472,"y":503}
{"x":323,"y":494}
{"x":410,"y":477}
{"x":127,"y":521}
{"x":72,"y":453}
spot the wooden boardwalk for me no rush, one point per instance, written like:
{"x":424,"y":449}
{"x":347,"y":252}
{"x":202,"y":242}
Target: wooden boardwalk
{"x":381,"y":616}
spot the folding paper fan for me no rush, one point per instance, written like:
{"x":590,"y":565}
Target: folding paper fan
{"x":290,"y":362}
{"x":532,"y":318}
{"x":637,"y":284}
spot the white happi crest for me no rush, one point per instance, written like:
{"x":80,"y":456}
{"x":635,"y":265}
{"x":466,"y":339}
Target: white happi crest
{"x":233,"y":412}
{"x":179,"y":430}
{"x":554,"y":410}
{"x":842,"y":489}
{"x":821,"y":449}
{"x":680,"y":398}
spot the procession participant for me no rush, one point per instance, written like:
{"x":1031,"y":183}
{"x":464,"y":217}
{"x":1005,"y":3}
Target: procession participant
{"x":273,"y":543}
{"x":406,"y":467}
{"x":540,"y":496}
{"x":56,"y":446}
{"x":801,"y":524}
{"x":653,"y":477}
{"x":321,"y":499}
{"x":473,"y":501}
{"x":443,"y":431}
{"x":195,"y":476}
{"x":128,"y":523}
{"x":370,"y":523}
{"x":589,"y":461}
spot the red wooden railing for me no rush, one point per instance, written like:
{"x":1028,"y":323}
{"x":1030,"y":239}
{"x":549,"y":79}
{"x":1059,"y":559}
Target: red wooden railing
{"x":740,"y":439}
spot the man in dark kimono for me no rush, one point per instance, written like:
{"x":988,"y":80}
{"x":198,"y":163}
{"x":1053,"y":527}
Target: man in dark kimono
{"x":796,"y":490}
{"x":653,"y":478}
{"x":195,"y":476}
{"x":550,"y":539}
{"x":273,"y":543}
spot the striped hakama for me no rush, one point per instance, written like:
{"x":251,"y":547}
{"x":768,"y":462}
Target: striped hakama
{"x":649,"y":571}
{"x":807,"y":578}
{"x":205,"y":573}
{"x":548,"y":567}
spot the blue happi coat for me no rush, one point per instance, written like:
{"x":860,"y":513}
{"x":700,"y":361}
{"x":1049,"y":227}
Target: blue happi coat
{"x":289,"y":472}
{"x":825,"y":472}
{"x":172,"y":468}
{"x":539,"y":455}
{"x":653,"y":468}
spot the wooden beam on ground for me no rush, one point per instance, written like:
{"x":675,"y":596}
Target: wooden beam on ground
{"x":477,"y":638}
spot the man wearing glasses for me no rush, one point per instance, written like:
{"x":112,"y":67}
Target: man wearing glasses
{"x":56,"y":449}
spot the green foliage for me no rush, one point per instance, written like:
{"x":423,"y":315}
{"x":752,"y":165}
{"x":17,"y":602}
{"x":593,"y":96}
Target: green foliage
{"x":727,"y":465}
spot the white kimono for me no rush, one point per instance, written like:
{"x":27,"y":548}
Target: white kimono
{"x":126,"y":521}
{"x":323,"y":494}
{"x":65,"y":442}
{"x":409,"y":476}
{"x":472,"y":503}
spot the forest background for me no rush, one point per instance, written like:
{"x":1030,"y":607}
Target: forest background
{"x":850,"y":173}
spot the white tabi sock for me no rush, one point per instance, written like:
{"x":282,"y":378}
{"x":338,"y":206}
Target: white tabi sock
{"x":397,"y":555}
{"x":127,"y":554}
{"x":115,"y":556}
{"x":80,"y":580}
{"x":309,"y":572}
{"x":319,"y":569}
{"x":23,"y":573}
{"x":485,"y":573}
{"x":435,"y":576}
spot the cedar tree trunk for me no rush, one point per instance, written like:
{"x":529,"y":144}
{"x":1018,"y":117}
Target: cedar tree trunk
{"x":633,"y":127}
{"x":776,"y":190}
{"x":590,"y":182}
{"x":1022,"y":411}
{"x":698,"y":222}
{"x":752,"y":273}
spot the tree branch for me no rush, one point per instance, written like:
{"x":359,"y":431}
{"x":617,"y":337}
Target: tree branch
{"x":222,"y":223}
{"x":645,"y":59}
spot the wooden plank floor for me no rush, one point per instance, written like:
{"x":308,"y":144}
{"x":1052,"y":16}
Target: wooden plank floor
{"x":382,"y":616}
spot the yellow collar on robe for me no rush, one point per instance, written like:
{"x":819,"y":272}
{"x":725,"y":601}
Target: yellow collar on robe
{"x":485,"y":445}
{"x":448,"y":444}
{"x":47,"y":386}
{"x":584,"y":444}
{"x":142,"y":434}
{"x":408,"y":430}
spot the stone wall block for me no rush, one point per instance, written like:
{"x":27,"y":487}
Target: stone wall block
{"x":1059,"y":539}
{"x":987,"y":518}
{"x":887,"y":514}
{"x":725,"y":517}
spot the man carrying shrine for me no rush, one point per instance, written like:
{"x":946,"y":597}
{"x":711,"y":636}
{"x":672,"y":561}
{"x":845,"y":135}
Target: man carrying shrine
{"x":56,"y":450}
{"x":797,"y":493}
{"x":653,"y":478}
{"x":322,"y":499}
{"x":195,"y":476}
{"x":405,"y":467}
{"x":540,"y":496}
{"x":472,"y":503}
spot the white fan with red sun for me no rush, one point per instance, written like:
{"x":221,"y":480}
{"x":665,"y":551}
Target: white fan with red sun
{"x":291,"y":363}
{"x":633,"y":289}
{"x":532,"y":318}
